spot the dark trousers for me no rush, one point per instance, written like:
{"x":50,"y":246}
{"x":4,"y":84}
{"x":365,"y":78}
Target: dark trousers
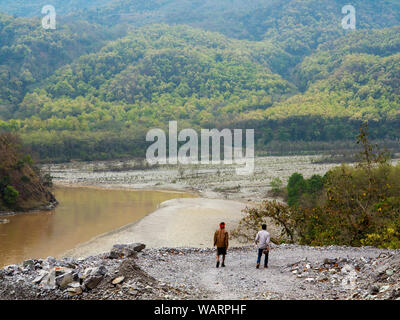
{"x":260,"y":253}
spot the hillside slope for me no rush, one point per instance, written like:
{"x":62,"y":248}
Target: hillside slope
{"x":92,"y":88}
{"x":355,"y":77}
{"x":29,"y":53}
{"x":22,"y":187}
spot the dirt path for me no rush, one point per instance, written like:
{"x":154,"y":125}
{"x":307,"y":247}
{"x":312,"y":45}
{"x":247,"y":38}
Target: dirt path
{"x":196,"y":271}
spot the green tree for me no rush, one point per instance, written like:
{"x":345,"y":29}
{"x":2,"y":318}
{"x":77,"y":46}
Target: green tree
{"x":10,"y":195}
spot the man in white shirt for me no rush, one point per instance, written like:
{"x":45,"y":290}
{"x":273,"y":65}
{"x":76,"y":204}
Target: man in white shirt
{"x":262,"y":240}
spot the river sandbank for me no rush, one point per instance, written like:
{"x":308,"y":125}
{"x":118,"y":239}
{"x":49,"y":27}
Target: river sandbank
{"x":184,"y":222}
{"x":189,"y":222}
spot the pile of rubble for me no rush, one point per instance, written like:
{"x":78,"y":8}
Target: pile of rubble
{"x":380,"y":279}
{"x":357,"y":278}
{"x":113,"y":275}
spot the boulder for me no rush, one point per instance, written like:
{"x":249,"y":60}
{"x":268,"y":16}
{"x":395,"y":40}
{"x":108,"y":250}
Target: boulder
{"x":93,"y":276}
{"x":49,"y":281}
{"x":11,"y":269}
{"x":40,"y":277}
{"x":101,"y":270}
{"x":93,"y":281}
{"x":28,"y":264}
{"x":137,"y":246}
{"x":120,"y":251}
{"x":65,"y":279}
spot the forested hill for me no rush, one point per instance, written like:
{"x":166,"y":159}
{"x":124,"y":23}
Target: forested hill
{"x":33,"y":8}
{"x":113,"y":69}
{"x":29,"y":54}
{"x":356,"y":77}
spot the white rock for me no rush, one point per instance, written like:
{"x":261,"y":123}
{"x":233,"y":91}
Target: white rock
{"x":118,"y":280}
{"x":384,"y":288}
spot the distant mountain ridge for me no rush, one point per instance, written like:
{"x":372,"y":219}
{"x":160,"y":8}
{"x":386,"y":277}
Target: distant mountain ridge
{"x":116,"y":68}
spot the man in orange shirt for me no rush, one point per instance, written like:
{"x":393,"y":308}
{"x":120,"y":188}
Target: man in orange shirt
{"x":221,"y":240}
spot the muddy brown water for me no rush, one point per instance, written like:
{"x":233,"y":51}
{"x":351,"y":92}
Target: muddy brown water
{"x":82,"y":213}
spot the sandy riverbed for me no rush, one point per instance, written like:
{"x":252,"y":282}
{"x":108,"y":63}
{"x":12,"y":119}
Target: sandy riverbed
{"x":183,"y":222}
{"x":187,"y":222}
{"x":209,"y":181}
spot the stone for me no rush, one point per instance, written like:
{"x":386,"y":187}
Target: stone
{"x":330,"y":260}
{"x":373,"y":289}
{"x":28,"y":263}
{"x":364,"y":260}
{"x":51,"y":260}
{"x":118,"y":280}
{"x":137,"y":246}
{"x":62,"y":270}
{"x":94,"y":277}
{"x":120,"y":251}
{"x":65,"y":279}
{"x":346,"y":269}
{"x":11,"y":269}
{"x":40,"y":277}
{"x":74,"y":291}
{"x":384,"y":288}
{"x":74,"y":285}
{"x":322,"y":278}
{"x":49,"y":281}
{"x":101,"y":270}
{"x":93,"y":281}
{"x":389,"y":272}
{"x":83,"y":275}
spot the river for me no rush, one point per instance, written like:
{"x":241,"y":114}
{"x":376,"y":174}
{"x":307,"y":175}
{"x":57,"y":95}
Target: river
{"x":82,"y":213}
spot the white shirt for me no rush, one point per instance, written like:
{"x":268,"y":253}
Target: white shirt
{"x":263,"y":238}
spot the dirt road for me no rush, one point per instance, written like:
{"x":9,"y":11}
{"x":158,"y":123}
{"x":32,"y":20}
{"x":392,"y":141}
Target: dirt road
{"x":196,"y":271}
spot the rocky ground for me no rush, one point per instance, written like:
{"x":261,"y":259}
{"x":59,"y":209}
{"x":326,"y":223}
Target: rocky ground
{"x":128,"y":272}
{"x":113,"y":275}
